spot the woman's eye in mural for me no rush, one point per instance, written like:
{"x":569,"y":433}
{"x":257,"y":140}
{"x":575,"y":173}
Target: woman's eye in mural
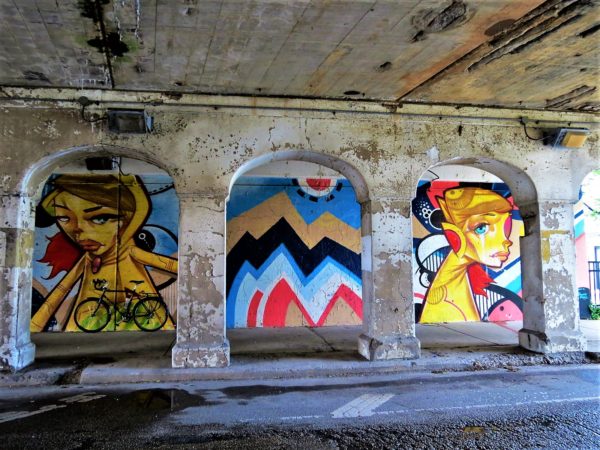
{"x":101,"y":219}
{"x":62,"y":219}
{"x":481,"y":228}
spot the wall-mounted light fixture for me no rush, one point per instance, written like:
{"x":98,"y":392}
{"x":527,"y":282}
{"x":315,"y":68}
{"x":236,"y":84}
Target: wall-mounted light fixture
{"x":568,"y":138}
{"x":129,"y":121}
{"x":561,"y":138}
{"x":101,"y":163}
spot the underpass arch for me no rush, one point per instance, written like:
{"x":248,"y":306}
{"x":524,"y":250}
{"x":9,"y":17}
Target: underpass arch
{"x":361,"y":191}
{"x":524,"y":193}
{"x":31,"y":188}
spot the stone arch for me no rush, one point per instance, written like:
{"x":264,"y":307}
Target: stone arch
{"x":431,"y":251}
{"x":540,"y":332}
{"x":525,"y":194}
{"x":34,"y":179}
{"x":29,"y":193}
{"x":361,"y":188}
{"x":521,"y":185}
{"x":582,"y":171}
{"x":350,"y":172}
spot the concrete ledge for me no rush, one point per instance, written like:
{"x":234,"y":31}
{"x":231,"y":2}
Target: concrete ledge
{"x":198,"y":356}
{"x":71,"y":358}
{"x":188,"y":101}
{"x":338,"y":364}
{"x":556,"y":342}
{"x":157,"y":368}
{"x":373,"y":349}
{"x":89,"y":345}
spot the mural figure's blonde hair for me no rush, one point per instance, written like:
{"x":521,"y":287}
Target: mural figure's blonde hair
{"x":459,"y":204}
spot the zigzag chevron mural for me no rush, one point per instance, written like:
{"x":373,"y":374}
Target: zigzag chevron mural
{"x":293,"y":253}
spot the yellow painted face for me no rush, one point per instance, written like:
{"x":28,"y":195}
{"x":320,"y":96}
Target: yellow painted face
{"x":487,"y":238}
{"x":92,"y":226}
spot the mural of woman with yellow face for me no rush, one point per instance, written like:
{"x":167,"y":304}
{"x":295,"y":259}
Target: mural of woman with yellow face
{"x":477,"y":225}
{"x":99,"y":214}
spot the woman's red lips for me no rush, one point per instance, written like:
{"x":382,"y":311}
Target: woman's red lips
{"x":500,"y":255}
{"x":89,"y":245}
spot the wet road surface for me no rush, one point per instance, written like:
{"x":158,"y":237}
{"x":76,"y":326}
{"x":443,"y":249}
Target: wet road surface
{"x":543,"y":407}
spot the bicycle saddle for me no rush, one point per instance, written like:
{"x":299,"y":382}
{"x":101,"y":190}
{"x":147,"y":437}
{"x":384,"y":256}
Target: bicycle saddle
{"x":136,"y":281}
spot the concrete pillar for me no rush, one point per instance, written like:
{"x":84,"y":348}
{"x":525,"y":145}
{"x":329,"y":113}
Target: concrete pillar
{"x":389,"y":319}
{"x":201,"y":340}
{"x":551,"y":310}
{"x":16,"y":250}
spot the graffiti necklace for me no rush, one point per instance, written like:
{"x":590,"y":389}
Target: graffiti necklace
{"x":96,"y":264}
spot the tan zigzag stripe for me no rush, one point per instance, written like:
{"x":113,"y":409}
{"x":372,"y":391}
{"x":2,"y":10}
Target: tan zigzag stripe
{"x":261,"y":218}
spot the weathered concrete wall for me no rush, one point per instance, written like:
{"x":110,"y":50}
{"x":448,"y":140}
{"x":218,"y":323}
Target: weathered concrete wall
{"x":202,"y":147}
{"x":201,"y":338}
{"x":17,"y":235}
{"x":202,"y":144}
{"x":551,"y":319}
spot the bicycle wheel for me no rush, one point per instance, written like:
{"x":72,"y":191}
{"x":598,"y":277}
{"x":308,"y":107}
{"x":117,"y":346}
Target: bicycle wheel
{"x":92,"y":315}
{"x":150,"y":314}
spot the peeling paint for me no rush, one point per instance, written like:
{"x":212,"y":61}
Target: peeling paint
{"x":201,"y":148}
{"x":548,"y":245}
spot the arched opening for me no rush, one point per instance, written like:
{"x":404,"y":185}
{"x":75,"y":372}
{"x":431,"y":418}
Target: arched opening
{"x":106,"y":228}
{"x":295,"y":254}
{"x":587,"y":246}
{"x":467,"y":254}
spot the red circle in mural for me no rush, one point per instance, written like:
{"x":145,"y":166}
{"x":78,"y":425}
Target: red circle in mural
{"x":319,"y":184}
{"x":317,"y":188}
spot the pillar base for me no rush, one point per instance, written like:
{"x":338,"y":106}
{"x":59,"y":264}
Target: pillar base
{"x":199,"y":356}
{"x":403,"y":347}
{"x":555,"y":342}
{"x":17,"y":358}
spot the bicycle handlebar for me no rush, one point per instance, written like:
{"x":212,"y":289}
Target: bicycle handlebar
{"x":100,"y":284}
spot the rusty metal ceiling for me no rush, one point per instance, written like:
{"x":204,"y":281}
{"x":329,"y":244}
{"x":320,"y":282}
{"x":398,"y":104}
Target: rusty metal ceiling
{"x":525,"y":54}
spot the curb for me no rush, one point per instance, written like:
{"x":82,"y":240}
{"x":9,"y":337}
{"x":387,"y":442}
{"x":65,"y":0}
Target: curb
{"x":251,"y":367}
{"x":261,"y":367}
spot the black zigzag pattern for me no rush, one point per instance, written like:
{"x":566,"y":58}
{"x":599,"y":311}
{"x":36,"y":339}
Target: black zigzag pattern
{"x":256,"y":251}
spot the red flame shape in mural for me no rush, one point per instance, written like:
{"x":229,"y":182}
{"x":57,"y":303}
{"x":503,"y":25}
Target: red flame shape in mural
{"x":479,"y":279}
{"x":61,"y":254}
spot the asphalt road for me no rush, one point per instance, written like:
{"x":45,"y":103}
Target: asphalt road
{"x":535,"y":407}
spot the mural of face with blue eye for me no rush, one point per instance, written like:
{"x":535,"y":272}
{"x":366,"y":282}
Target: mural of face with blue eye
{"x":91,"y":226}
{"x":487,"y":238}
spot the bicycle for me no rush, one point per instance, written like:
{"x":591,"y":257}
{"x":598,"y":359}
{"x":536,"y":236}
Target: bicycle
{"x":149,"y":313}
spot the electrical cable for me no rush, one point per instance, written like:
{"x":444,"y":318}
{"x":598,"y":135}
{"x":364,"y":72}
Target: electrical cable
{"x":543,"y":138}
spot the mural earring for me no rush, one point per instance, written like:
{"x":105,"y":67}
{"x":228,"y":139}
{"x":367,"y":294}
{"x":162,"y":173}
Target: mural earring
{"x":96,"y":264}
{"x":455,"y":238}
